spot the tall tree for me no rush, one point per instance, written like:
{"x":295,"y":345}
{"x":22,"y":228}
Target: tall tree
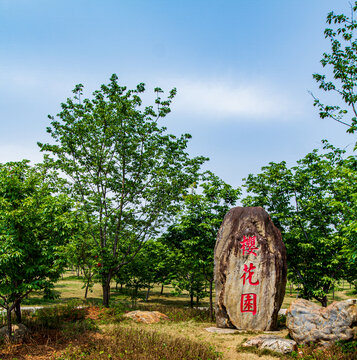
{"x":314,"y":205}
{"x":342,"y":62}
{"x":35,"y":223}
{"x":124,"y":169}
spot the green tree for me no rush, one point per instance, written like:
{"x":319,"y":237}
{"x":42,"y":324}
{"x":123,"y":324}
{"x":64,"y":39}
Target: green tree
{"x":82,"y":256}
{"x":314,"y":205}
{"x":35,"y":223}
{"x":147,"y":268}
{"x":193,"y":235}
{"x":124,"y":169}
{"x":342,"y":61}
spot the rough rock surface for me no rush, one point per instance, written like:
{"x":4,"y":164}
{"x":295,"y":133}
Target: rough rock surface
{"x":19,"y":331}
{"x":217,"y":330}
{"x":272,"y":342}
{"x":250,"y":270}
{"x":147,"y":317}
{"x":308,"y":322}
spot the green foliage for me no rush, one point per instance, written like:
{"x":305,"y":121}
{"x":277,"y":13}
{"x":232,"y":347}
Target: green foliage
{"x":314,"y":205}
{"x":35,"y":223}
{"x":124,"y":169}
{"x":193,"y":235}
{"x":70,"y":319}
{"x":150,"y":266}
{"x":53,"y":317}
{"x":342,"y":61}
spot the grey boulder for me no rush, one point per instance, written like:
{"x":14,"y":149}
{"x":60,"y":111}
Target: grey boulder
{"x":308,"y":322}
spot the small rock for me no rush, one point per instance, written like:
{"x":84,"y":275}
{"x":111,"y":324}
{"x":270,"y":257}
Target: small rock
{"x":308,"y":322}
{"x":221,"y":330}
{"x":146,"y":317}
{"x":19,"y":331}
{"x":273,"y":343}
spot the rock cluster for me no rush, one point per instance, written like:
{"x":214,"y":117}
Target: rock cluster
{"x":19,"y":332}
{"x":146,"y":317}
{"x":273,"y":343}
{"x":308,"y":322}
{"x":250,"y":270}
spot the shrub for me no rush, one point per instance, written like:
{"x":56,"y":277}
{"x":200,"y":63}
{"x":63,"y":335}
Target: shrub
{"x":55,"y":317}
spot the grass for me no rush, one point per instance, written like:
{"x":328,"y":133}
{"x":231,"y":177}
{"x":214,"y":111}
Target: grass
{"x":71,"y":288}
{"x":130,"y":344}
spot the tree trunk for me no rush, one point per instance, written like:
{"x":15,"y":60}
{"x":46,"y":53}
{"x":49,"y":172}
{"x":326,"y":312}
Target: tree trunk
{"x":86,"y":292}
{"x":9,"y":324}
{"x":162,"y":289}
{"x":106,"y":293}
{"x":147,"y":294}
{"x":197,"y":300}
{"x":191,"y":299}
{"x":211,"y":300}
{"x":324,"y":301}
{"x":18,"y":312}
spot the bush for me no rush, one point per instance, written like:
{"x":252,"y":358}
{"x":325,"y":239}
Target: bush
{"x":55,"y":317}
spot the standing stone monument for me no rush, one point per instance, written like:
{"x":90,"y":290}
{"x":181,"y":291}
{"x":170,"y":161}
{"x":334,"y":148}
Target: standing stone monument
{"x":250,"y":270}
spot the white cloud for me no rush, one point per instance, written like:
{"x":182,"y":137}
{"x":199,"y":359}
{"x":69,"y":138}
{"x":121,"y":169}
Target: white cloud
{"x":221,"y":100}
{"x":205,"y":99}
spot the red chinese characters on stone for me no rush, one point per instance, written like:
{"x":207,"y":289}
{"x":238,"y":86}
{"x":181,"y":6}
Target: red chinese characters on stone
{"x":248,"y":303}
{"x":248,"y":273}
{"x":248,"y":245}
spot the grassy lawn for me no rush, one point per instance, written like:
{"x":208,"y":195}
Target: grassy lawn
{"x":70,"y":288}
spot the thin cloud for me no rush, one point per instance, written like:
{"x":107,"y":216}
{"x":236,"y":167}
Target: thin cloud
{"x":219,"y":100}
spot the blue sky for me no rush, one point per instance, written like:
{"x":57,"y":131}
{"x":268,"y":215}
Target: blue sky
{"x":242,"y":70}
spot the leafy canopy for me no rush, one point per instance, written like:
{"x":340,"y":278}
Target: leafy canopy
{"x":35,"y":223}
